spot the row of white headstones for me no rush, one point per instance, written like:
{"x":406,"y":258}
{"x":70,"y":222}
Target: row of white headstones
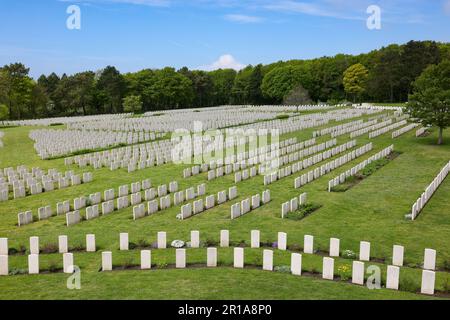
{"x":393,"y":271}
{"x":353,"y":171}
{"x":418,"y":206}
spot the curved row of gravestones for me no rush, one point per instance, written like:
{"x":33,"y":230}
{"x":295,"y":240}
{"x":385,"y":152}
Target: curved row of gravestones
{"x":63,"y":120}
{"x":393,"y":271}
{"x":170,"y":121}
{"x":23,"y":183}
{"x":286,"y":126}
{"x":310,"y":120}
{"x":429,"y":191}
{"x":360,"y":166}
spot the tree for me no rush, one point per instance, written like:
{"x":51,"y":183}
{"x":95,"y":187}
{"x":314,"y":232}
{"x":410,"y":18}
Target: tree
{"x":222,"y":80}
{"x":15,"y":89}
{"x":112,"y":85}
{"x":281,"y":81}
{"x":355,"y":78}
{"x":430,"y":102}
{"x":415,"y":57}
{"x":4,"y":112}
{"x":297,"y":96}
{"x":132,"y":104}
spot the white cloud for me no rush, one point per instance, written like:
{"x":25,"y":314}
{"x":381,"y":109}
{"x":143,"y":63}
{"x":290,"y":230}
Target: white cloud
{"x":241,"y":18}
{"x":226,"y":61}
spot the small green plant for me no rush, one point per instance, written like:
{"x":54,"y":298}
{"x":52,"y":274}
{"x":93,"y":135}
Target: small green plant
{"x":17,"y":271}
{"x":348,"y":254}
{"x":283,"y":269}
{"x":303,"y":211}
{"x":344,"y":272}
{"x":162,"y":265}
{"x":128,"y":263}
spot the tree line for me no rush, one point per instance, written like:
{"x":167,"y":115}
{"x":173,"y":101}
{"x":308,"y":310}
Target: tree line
{"x":384,"y":75}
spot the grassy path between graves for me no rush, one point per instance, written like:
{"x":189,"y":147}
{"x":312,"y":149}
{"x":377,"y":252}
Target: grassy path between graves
{"x":372,"y":211}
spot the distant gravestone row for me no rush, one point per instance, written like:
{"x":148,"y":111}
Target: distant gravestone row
{"x":191,"y":209}
{"x":55,"y":143}
{"x":249,"y":204}
{"x":270,"y":178}
{"x":353,"y":171}
{"x":23,"y":182}
{"x":386,"y":129}
{"x":429,"y":191}
{"x":330,"y":166}
{"x":403,"y":130}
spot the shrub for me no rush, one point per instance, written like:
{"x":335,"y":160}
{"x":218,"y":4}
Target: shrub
{"x":348,"y":254}
{"x":303,"y":211}
{"x":283,"y":269}
{"x":344,"y":272}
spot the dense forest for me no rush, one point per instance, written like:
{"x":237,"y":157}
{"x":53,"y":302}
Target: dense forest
{"x":383,"y":75}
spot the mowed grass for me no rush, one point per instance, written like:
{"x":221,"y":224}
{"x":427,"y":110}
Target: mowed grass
{"x":372,"y":211}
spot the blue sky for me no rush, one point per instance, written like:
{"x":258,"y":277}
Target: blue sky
{"x":205,"y":34}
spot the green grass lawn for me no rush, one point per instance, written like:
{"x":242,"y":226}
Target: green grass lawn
{"x":372,"y":211}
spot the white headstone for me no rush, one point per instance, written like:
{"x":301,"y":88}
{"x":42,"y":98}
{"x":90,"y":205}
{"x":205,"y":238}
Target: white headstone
{"x":162,"y":244}
{"x":334,"y":247}
{"x":63,"y":244}
{"x":282,"y":240}
{"x":238,"y":257}
{"x":211,"y":260}
{"x":309,"y":244}
{"x":124,"y":241}
{"x":34,"y":245}
{"x":296,"y":264}
{"x":181,"y":258}
{"x":224,"y":238}
{"x":4,"y":251}
{"x":428,"y":282}
{"x":328,"y":268}
{"x":358,"y":272}
{"x":393,"y":276}
{"x":429,"y":262}
{"x":255,"y":235}
{"x":68,"y":262}
{"x":364,"y":251}
{"x":268,"y":260}
{"x":33,"y":264}
{"x":90,"y":243}
{"x":107,"y":261}
{"x":195,"y":239}
{"x":397,"y":255}
{"x":4,"y":267}
{"x":146,"y":259}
